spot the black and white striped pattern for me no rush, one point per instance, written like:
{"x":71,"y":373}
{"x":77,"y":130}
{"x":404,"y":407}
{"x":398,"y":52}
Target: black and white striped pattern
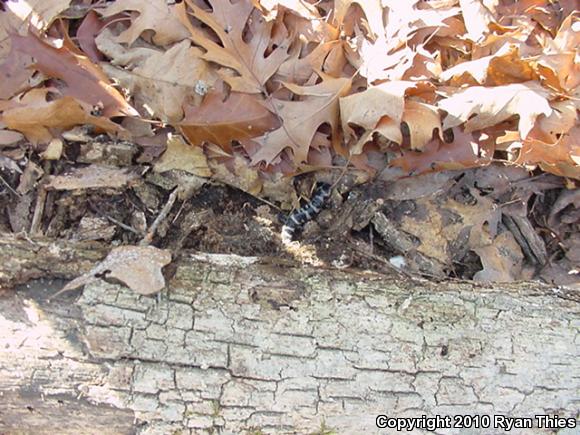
{"x":307,"y":212}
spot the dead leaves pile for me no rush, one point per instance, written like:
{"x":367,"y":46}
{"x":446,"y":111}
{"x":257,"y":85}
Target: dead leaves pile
{"x":433,"y":85}
{"x":249,"y":91}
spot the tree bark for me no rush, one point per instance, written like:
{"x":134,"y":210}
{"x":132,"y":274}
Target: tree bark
{"x":245,"y":345}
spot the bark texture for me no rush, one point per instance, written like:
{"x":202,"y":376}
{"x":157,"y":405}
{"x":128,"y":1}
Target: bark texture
{"x":241,"y":345}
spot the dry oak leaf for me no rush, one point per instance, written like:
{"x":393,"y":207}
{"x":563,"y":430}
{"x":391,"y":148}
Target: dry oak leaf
{"x":463,"y":152}
{"x":88,"y":30}
{"x":560,"y":71}
{"x":219,"y":121}
{"x":15,"y":73}
{"x":182,"y":156}
{"x":372,"y":9}
{"x":430,"y":224}
{"x":502,"y":260}
{"x":248,"y":57}
{"x":155,"y":15}
{"x":236,"y":172}
{"x":299,"y":7}
{"x":159,"y":81}
{"x":387,"y":127}
{"x":85,"y":80}
{"x":366,"y":108}
{"x":504,"y":66}
{"x":492,"y":105}
{"x":298,"y":69}
{"x":36,"y":119}
{"x":138,"y":267}
{"x":119,"y":54}
{"x":478,"y":19}
{"x":568,"y":37}
{"x":561,"y":157}
{"x":408,"y":18}
{"x":165,"y":80}
{"x":301,"y":119}
{"x":421,"y":119}
{"x":379,"y":109}
{"x":20,"y":16}
{"x":563,"y":118}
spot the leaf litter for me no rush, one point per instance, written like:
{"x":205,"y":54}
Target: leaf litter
{"x":467,"y":109}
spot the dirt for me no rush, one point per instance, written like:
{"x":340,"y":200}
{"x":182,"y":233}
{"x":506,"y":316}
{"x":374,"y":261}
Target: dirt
{"x":451,"y":225}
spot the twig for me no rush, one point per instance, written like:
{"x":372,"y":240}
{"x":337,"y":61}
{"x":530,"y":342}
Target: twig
{"x":9,"y":186}
{"x":38,"y":211}
{"x":113,"y":220}
{"x":40,"y":202}
{"x":122,"y":225}
{"x":160,"y":218}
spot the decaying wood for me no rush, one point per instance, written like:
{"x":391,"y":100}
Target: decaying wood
{"x":240,"y":345}
{"x":23,"y":258}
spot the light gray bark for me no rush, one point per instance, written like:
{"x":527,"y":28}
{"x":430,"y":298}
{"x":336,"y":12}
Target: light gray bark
{"x":244,"y":346}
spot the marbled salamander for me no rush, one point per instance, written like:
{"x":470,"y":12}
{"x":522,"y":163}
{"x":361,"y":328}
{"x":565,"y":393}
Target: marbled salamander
{"x":307,"y":212}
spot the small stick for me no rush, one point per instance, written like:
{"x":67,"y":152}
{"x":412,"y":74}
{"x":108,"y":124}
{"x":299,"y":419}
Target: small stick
{"x":9,"y":186}
{"x":40,"y":202}
{"x":122,"y":225}
{"x":342,"y":173}
{"x":97,"y":210}
{"x":38,"y":211}
{"x":160,"y":218}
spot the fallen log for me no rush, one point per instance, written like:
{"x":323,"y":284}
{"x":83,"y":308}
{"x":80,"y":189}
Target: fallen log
{"x":249,"y":345}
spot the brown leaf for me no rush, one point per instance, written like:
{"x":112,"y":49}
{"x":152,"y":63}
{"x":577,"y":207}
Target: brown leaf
{"x":155,"y":15}
{"x":86,"y":33}
{"x":560,"y":71}
{"x":298,"y":69}
{"x":165,"y":80}
{"x":180,"y":155}
{"x":504,"y":66}
{"x":301,"y":119}
{"x":235,"y":171}
{"x":372,"y":8}
{"x":366,"y":108}
{"x":219,"y":121}
{"x":561,"y":157}
{"x":15,"y":74}
{"x":85,"y":80}
{"x":36,"y":13}
{"x":463,"y":152}
{"x":568,"y":37}
{"x":138,"y":267}
{"x":429,"y":223}
{"x":299,"y":7}
{"x":562,"y":119}
{"x":37,"y":118}
{"x":481,"y":107}
{"x":238,"y":50}
{"x":477,"y":19}
{"x":422,"y":119}
{"x":380,"y":109}
{"x":501,"y":260}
